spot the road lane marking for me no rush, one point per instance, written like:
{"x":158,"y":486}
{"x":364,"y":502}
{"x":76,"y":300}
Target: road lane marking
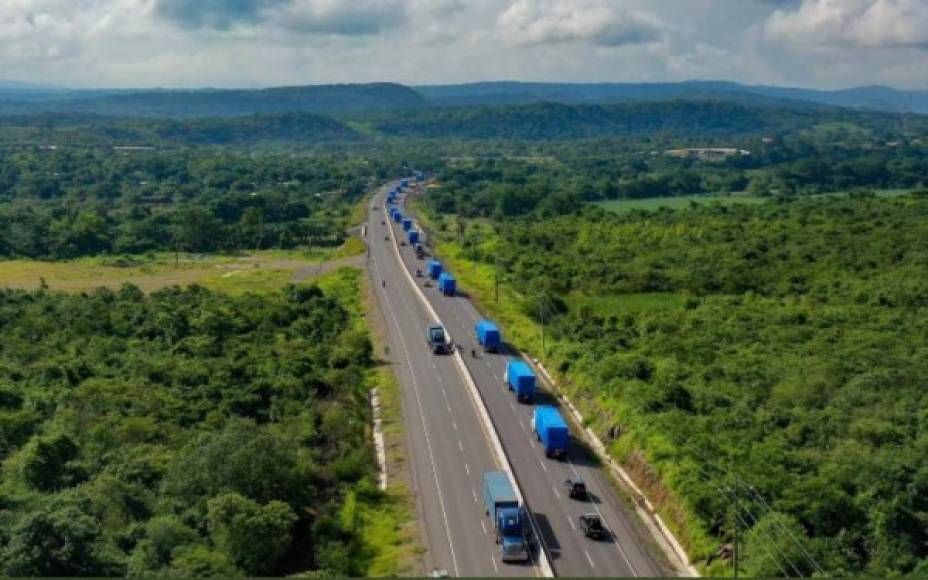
{"x":461,"y":446}
{"x":449,"y":408}
{"x":467,"y":468}
{"x":454,"y":424}
{"x":484,"y":526}
{"x":588,"y":559}
{"x":495,"y":567}
{"x":521,"y":424}
{"x":603,"y":518}
{"x":556,"y":492}
{"x":474,"y":493}
{"x":531,"y":440}
{"x":496,"y":376}
{"x":571,"y":522}
{"x":542,"y":464}
{"x":428,"y":445}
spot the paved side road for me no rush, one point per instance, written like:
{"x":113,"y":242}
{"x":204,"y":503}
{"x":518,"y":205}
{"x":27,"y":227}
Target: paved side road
{"x":449,"y":452}
{"x":630,"y":550}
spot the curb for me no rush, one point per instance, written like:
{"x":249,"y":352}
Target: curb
{"x":485,"y":420}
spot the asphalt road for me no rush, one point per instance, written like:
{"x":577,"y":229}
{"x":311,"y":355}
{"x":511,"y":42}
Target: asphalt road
{"x":629,"y":551}
{"x":449,"y":451}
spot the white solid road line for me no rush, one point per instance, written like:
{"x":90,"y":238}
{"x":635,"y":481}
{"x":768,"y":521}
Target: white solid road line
{"x":428,"y":441}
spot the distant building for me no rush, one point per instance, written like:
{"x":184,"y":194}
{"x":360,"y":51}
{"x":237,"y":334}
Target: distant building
{"x":706,"y":153}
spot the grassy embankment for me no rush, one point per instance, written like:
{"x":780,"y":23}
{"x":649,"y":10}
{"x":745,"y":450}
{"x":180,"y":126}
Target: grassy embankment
{"x":389,"y":523}
{"x":478,"y":280}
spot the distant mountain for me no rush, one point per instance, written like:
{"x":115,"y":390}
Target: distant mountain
{"x":875,"y":98}
{"x":220,"y":102}
{"x":8,"y":85}
{"x":548,"y":120}
{"x":91,"y":129}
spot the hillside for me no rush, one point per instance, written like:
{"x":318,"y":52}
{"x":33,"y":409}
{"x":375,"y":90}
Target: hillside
{"x":875,"y":98}
{"x":219,"y":102}
{"x":681,"y":118}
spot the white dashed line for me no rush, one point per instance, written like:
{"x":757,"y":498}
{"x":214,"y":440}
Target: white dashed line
{"x":588,"y":559}
{"x":556,"y":492}
{"x":571,"y":522}
{"x":474,"y":493}
{"x":467,"y":468}
{"x":542,"y":464}
{"x":484,"y":526}
{"x":461,"y":446}
{"x":454,"y":424}
{"x":495,"y":567}
{"x":521,"y":424}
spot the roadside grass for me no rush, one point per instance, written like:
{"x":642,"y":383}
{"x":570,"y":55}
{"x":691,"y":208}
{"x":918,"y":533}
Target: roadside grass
{"x":387,"y":520}
{"x":353,"y":246}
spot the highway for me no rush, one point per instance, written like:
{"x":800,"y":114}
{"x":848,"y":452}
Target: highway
{"x":448,"y":449}
{"x":629,"y":551}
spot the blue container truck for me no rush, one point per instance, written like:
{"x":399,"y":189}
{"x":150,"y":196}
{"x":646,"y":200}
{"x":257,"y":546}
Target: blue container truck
{"x":507,"y":516}
{"x":447,"y":285}
{"x":551,"y":430}
{"x":487,"y":335}
{"x":521,"y":380}
{"x":434,"y":269}
{"x":398,"y":216}
{"x":413,"y":236}
{"x":407,"y":224}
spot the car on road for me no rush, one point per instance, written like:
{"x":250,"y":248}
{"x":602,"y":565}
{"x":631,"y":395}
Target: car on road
{"x":575,"y":487}
{"x":592,"y":526}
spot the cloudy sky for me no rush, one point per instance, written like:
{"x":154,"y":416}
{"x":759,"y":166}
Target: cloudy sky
{"x":250,"y":43}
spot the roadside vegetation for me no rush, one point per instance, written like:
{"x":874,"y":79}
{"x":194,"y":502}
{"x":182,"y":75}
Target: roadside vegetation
{"x":758,"y":366}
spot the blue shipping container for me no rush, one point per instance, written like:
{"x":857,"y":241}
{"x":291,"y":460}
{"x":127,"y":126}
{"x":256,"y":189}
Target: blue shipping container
{"x":447,"y":285}
{"x":398,"y":216}
{"x":552,"y":430}
{"x":407,"y":224}
{"x":434,"y":269}
{"x":413,"y":236}
{"x":488,"y":335}
{"x":520,"y":379}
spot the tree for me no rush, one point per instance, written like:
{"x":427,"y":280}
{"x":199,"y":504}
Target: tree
{"x":253,"y":536}
{"x":54,"y":542}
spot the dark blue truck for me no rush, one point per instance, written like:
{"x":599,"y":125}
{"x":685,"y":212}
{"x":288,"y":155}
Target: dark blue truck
{"x":507,"y":516}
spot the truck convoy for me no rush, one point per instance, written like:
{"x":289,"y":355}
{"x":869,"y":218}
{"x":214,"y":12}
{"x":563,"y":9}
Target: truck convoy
{"x":435,"y":338}
{"x":507,"y":516}
{"x":447,"y":284}
{"x":551,"y":430}
{"x":487,"y":335}
{"x":521,"y":379}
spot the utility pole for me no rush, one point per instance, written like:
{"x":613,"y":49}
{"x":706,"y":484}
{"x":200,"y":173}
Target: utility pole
{"x":496,"y":260}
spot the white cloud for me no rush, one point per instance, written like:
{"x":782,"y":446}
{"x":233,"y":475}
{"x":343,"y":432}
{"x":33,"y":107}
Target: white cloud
{"x":853,"y":23}
{"x":600,"y":22}
{"x":356,"y":17}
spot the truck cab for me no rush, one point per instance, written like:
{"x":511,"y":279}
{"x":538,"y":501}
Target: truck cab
{"x":435,"y":338}
{"x":507,"y":516}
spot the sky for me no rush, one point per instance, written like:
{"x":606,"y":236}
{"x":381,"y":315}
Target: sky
{"x":255,"y":43}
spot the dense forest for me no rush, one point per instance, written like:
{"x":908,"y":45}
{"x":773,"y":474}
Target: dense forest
{"x":184,"y":433}
{"x":73,"y":202}
{"x":768,"y":362}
